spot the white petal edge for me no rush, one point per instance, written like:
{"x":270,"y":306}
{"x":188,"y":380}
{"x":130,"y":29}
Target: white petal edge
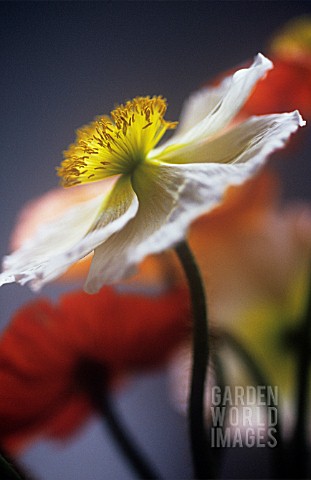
{"x":240,"y":142}
{"x":233,"y":92}
{"x":200,"y":104}
{"x":38,"y":262}
{"x":89,"y":243}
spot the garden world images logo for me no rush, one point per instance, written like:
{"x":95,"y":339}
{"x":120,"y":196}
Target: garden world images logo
{"x":244,"y":416}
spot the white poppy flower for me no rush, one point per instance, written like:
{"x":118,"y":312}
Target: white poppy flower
{"x":156,"y":192}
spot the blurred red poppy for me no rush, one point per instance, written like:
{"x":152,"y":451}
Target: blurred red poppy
{"x":46,"y":350}
{"x":286,"y":88}
{"x":288,"y":85}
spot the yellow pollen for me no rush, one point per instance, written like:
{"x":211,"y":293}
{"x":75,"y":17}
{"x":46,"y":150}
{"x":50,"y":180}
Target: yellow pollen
{"x":117,"y":144}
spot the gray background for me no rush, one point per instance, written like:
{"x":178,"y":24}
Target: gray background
{"x":62,"y":63}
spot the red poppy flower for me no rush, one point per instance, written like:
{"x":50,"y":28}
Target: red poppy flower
{"x":288,"y":85}
{"x":45,"y":352}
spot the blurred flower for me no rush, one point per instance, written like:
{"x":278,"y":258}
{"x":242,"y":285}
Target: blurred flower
{"x":293,"y":40}
{"x":289,"y":83}
{"x":155,"y":192}
{"x":255,"y":256}
{"x":276,"y":93}
{"x":47,"y":354}
{"x":257,"y":276}
{"x":256,"y":252}
{"x":290,"y":52}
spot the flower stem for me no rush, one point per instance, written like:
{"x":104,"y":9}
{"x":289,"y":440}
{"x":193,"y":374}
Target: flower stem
{"x":94,"y":381}
{"x":124,"y":442}
{"x":198,"y":436}
{"x":7,"y":470}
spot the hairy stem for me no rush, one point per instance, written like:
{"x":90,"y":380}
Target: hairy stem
{"x":198,"y":437}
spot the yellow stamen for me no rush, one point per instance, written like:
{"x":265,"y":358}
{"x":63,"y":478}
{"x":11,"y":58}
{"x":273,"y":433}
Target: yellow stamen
{"x":116,"y":145}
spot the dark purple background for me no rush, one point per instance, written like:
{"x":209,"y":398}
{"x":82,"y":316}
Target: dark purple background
{"x":62,"y":63}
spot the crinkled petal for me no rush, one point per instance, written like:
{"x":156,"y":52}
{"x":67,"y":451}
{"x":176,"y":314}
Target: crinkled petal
{"x":72,"y":236}
{"x":170,"y":198}
{"x":210,"y":110}
{"x":265,"y":133}
{"x":203,"y":189}
{"x":200,"y":104}
{"x":158,"y":191}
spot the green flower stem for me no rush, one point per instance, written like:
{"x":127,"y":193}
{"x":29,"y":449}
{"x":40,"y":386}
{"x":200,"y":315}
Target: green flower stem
{"x":125,"y":443}
{"x":198,"y":437}
{"x":300,"y":435}
{"x":7,"y":470}
{"x":95,"y":384}
{"x":221,"y":382}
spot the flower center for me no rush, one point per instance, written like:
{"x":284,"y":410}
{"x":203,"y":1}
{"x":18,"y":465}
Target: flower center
{"x":115,"y":145}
